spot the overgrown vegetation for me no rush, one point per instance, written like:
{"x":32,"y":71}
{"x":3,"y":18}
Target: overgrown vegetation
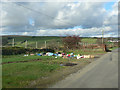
{"x":21,"y":50}
{"x":71,"y":42}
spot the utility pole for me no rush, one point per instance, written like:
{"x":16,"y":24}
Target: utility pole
{"x":104,"y":47}
{"x":58,"y":45}
{"x":13,"y":43}
{"x":26,"y":44}
{"x":45,"y":44}
{"x":102,"y":36}
{"x":36,"y":44}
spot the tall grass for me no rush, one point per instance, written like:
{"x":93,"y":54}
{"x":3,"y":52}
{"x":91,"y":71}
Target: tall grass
{"x":17,"y":75}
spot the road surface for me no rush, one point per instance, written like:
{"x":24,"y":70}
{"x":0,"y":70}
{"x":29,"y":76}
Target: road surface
{"x":102,"y":73}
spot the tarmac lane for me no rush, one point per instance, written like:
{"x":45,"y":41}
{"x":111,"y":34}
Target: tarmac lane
{"x":102,"y":73}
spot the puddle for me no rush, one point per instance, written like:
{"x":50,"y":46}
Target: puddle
{"x":69,"y":64}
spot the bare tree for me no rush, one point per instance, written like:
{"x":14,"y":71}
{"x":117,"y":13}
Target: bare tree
{"x":71,"y":42}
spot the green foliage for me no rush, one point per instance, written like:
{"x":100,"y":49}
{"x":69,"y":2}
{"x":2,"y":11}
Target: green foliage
{"x":20,"y":50}
{"x":13,"y":51}
{"x":4,"y":41}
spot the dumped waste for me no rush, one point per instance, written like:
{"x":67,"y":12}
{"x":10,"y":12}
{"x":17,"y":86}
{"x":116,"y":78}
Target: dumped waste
{"x":26,"y":55}
{"x":63,"y":55}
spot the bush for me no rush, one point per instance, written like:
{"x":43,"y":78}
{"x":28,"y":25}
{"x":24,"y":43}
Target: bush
{"x":12,"y":51}
{"x":21,"y":50}
{"x":71,"y":42}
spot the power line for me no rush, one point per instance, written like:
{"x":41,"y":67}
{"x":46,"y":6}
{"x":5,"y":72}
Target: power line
{"x":41,"y":13}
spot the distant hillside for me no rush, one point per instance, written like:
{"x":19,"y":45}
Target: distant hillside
{"x":31,"y":40}
{"x":50,"y":40}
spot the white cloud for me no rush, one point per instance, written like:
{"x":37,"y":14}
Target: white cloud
{"x":59,"y":18}
{"x":89,"y":32}
{"x":112,"y":16}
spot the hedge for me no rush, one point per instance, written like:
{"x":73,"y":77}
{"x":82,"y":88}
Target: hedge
{"x":21,"y":50}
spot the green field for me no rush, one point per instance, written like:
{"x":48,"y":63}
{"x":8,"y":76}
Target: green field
{"x":14,"y":58}
{"x":50,"y":41}
{"x":22,"y":74}
{"x":31,"y":40}
{"x":89,"y":40}
{"x":87,"y":51}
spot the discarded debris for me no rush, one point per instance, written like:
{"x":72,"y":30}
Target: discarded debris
{"x":61,"y":65}
{"x":63,"y":55}
{"x":26,"y":55}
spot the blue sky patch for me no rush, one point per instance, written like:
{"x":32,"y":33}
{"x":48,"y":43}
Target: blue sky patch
{"x":108,"y":5}
{"x":31,"y":21}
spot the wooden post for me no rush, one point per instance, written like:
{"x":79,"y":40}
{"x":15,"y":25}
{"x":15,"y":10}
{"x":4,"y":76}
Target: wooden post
{"x":26,"y":44}
{"x":45,"y":44}
{"x":13,"y":43}
{"x":36,"y":44}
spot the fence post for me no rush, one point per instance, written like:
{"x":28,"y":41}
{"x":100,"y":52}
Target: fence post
{"x":36,"y":44}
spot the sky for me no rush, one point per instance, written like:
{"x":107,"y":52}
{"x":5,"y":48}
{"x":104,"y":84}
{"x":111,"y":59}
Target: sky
{"x":86,"y":19}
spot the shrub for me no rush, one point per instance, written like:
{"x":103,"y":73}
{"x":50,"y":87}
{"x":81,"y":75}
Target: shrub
{"x":71,"y":42}
{"x":21,"y":50}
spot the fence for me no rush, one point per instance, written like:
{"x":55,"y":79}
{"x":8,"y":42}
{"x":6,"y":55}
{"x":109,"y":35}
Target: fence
{"x":55,"y":45}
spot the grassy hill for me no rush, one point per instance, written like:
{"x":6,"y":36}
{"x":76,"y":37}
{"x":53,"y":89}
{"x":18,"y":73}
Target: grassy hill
{"x":20,"y":40}
{"x":31,"y":40}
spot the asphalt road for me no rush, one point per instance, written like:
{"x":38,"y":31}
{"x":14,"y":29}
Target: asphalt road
{"x":102,"y":73}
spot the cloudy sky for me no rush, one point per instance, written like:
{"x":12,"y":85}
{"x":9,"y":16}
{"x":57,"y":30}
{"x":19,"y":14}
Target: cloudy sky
{"x":86,"y":19}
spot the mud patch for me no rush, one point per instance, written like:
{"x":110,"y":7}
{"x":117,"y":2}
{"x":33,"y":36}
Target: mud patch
{"x":22,"y":61}
{"x":70,"y":64}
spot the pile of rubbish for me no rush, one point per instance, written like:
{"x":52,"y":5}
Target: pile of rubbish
{"x":63,"y":55}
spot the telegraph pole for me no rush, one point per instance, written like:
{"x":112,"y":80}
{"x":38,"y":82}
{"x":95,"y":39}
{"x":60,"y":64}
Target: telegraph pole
{"x":102,"y":36}
{"x":13,"y":43}
{"x":104,"y":47}
{"x":36,"y":44}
